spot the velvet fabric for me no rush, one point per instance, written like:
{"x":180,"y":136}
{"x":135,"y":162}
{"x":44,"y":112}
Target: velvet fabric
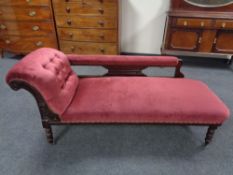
{"x":117,"y":99}
{"x":122,"y":60}
{"x":48,"y":71}
{"x":145,"y":100}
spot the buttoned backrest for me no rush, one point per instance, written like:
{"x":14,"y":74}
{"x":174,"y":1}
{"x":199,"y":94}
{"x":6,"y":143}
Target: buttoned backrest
{"x":50,"y":73}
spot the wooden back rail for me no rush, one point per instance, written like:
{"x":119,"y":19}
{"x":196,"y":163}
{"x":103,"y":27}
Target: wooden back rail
{"x":126,"y":69}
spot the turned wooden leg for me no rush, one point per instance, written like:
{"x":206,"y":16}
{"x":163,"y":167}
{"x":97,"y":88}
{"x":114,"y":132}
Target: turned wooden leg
{"x":49,"y":133}
{"x":210,"y":134}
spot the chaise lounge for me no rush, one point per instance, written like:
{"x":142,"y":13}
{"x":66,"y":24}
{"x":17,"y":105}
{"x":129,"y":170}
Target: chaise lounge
{"x":123,"y":96}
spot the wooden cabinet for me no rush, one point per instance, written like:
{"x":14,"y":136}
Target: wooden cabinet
{"x":26,"y":25}
{"x":199,"y":31}
{"x":73,"y":26}
{"x":87,"y":26}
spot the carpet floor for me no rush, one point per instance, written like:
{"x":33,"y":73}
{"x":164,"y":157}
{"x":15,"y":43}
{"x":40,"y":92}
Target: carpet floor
{"x":114,"y":149}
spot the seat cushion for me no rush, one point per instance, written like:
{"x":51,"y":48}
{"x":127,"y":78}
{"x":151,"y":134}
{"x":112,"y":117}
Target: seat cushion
{"x":49,"y":72}
{"x":145,"y":100}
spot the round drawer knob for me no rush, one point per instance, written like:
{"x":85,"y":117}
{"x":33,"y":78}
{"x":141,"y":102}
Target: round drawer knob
{"x":68,"y":9}
{"x":72,"y":48}
{"x":71,"y":35}
{"x":39,"y":44}
{"x":35,"y":28}
{"x":69,"y":22}
{"x":202,"y":24}
{"x":102,"y":36}
{"x":101,"y":23}
{"x":32,"y":13}
{"x":2,"y":27}
{"x":28,"y":1}
{"x":101,"y":11}
{"x":7,"y":41}
{"x":102,"y":50}
{"x":185,"y":23}
{"x":224,"y":25}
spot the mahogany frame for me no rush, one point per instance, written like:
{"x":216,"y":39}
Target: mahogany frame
{"x":49,"y":118}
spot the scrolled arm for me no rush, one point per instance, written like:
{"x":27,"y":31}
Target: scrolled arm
{"x":46,"y":113}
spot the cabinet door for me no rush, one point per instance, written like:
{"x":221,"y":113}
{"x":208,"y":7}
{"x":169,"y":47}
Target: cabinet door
{"x":224,"y":42}
{"x":187,"y":40}
{"x":206,"y":43}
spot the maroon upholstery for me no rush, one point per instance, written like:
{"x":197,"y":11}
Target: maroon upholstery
{"x":146,"y":100}
{"x":118,"y":99}
{"x":48,"y":70}
{"x":122,"y":60}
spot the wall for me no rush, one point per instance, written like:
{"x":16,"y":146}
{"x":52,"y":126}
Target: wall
{"x":142,"y":25}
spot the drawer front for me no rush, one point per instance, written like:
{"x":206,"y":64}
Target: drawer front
{"x":193,"y":23}
{"x":26,"y":28}
{"x":25,"y":2}
{"x":108,"y":9}
{"x":224,"y":24}
{"x":93,"y":35}
{"x":26,"y":44}
{"x":86,"y":2}
{"x":86,"y":22}
{"x":98,"y":1}
{"x":88,"y":48}
{"x":26,"y":13}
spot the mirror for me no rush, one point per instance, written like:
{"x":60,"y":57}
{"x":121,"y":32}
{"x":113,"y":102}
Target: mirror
{"x":209,"y":3}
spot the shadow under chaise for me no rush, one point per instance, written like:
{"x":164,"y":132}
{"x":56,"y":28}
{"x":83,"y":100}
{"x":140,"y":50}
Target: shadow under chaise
{"x":123,"y":96}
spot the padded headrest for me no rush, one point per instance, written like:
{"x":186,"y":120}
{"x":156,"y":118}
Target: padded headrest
{"x":49,"y":72}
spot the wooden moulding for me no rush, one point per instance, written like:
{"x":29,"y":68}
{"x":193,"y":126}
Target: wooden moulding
{"x":132,"y":70}
{"x":135,"y":70}
{"x":125,"y":70}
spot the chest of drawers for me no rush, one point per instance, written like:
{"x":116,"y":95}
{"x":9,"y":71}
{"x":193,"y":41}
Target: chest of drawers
{"x":26,"y":25}
{"x":87,"y":26}
{"x":73,"y":26}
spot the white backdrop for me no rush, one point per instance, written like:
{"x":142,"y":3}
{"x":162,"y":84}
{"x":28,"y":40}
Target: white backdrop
{"x":142,"y":25}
